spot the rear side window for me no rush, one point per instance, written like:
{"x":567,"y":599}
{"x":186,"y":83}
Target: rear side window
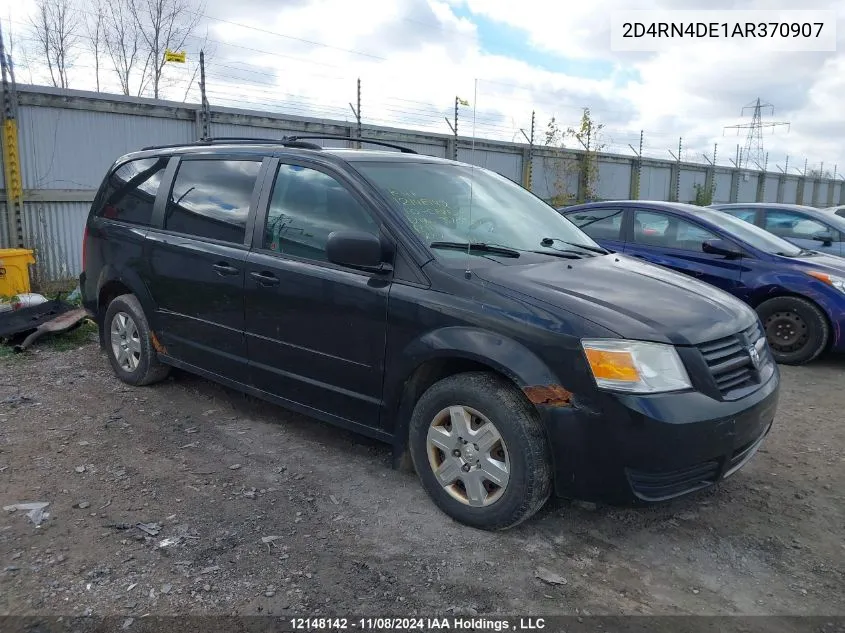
{"x":743,"y":214}
{"x":600,"y":224}
{"x":131,"y":191}
{"x":210,"y":198}
{"x":665,"y":231}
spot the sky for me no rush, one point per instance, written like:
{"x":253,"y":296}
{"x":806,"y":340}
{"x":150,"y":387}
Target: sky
{"x":507,"y":59}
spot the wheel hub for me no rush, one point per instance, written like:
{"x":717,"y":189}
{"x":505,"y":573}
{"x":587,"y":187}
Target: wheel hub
{"x":470,"y":453}
{"x":786,"y":331}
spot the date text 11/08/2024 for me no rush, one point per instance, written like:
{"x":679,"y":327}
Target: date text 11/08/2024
{"x":418,"y":624}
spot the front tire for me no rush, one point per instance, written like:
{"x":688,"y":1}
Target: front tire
{"x":480,"y":451}
{"x":129,"y":343}
{"x":797,"y":330}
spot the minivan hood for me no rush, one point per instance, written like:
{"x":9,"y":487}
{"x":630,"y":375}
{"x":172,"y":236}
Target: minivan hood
{"x":634,"y":299}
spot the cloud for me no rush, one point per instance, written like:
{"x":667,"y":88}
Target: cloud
{"x":415,"y":56}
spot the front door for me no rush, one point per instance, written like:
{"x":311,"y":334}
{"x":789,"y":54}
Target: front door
{"x":315,"y":331}
{"x":197,"y":263}
{"x":667,"y":240}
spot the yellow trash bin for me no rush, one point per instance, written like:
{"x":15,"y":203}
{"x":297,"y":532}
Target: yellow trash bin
{"x":14,"y":270}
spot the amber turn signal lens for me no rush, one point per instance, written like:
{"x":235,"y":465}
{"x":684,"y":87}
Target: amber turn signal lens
{"x":612,"y":365}
{"x":820,"y":276}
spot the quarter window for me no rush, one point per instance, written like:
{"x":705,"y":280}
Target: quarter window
{"x":131,"y":191}
{"x":211,"y":198}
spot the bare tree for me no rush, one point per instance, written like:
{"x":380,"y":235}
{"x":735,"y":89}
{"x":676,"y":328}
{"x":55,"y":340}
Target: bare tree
{"x":95,"y":27}
{"x":164,"y":25}
{"x":122,"y":40}
{"x":56,"y":29}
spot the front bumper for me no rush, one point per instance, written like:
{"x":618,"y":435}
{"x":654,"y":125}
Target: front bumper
{"x":625,"y":449}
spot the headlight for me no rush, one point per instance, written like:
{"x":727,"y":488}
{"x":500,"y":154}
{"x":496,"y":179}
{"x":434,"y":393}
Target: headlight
{"x":831,"y":280}
{"x":634,"y":366}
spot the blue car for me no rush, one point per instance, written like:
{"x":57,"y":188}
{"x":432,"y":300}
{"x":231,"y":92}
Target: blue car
{"x":799,"y":294}
{"x":811,"y":228}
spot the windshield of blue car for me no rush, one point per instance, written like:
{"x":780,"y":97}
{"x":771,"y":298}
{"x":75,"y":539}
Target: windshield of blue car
{"x":461,"y":204}
{"x":751,"y":234}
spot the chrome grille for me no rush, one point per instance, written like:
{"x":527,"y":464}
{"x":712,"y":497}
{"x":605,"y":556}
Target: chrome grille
{"x":730,"y":362}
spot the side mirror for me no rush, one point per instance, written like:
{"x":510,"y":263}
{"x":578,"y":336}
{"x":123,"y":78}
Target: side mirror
{"x":825,"y":238}
{"x":356,"y":249}
{"x":721,"y":247}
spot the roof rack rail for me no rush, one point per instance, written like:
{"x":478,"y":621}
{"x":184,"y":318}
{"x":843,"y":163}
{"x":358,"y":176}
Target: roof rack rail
{"x":223,"y":140}
{"x":298,"y":137}
{"x":287,"y":141}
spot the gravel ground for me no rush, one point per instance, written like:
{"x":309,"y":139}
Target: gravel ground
{"x":253,"y":510}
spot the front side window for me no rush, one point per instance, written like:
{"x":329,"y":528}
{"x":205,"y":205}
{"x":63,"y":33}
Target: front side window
{"x":753,"y":235}
{"x":793,"y":225}
{"x":306,"y":206}
{"x":131,"y":191}
{"x":456,"y":203}
{"x":211,"y":198}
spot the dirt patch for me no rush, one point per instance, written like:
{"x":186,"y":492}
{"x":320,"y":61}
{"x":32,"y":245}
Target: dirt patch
{"x":247,"y":509}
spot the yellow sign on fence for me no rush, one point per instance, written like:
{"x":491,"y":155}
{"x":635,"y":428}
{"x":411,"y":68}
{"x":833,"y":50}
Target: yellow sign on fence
{"x":174,"y":56}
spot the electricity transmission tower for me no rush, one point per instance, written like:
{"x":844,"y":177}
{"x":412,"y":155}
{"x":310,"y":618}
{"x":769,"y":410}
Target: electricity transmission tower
{"x":753,"y":150}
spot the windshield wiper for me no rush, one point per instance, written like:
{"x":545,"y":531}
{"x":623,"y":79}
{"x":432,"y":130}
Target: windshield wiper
{"x":549,"y":241}
{"x":476,"y":246}
{"x":559,"y":252}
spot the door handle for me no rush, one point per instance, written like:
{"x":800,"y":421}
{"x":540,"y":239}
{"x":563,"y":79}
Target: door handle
{"x":265,"y":279}
{"x":223,"y":268}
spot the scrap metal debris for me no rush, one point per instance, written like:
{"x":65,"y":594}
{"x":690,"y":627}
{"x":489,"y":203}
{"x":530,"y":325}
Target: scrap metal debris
{"x":26,"y":319}
{"x":61,"y":323}
{"x":150,"y":528}
{"x":33,"y":505}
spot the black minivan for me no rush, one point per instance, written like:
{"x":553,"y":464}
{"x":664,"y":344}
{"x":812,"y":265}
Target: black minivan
{"x":431,"y":304}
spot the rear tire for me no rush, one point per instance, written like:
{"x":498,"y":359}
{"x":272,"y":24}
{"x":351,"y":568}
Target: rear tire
{"x":797,"y":330}
{"x":129,"y":345}
{"x":468,"y":434}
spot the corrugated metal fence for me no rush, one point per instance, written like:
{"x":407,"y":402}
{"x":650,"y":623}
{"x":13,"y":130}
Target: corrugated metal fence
{"x":69,"y":138}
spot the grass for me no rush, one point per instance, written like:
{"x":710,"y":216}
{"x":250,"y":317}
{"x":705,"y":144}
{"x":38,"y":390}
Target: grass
{"x":73,"y":339}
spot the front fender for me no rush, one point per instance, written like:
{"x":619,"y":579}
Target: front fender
{"x":499,"y":352}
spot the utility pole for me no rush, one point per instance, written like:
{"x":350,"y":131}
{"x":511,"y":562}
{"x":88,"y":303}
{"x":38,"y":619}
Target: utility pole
{"x":357,"y":113}
{"x":529,"y":155}
{"x":204,"y":109}
{"x":11,"y":151}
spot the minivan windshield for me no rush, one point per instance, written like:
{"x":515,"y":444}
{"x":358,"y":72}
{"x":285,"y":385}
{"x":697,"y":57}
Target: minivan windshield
{"x":460,"y":204}
{"x":751,"y":234}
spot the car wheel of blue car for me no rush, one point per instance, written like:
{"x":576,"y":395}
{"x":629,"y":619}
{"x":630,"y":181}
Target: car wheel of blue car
{"x":480,"y":451}
{"x":797,"y":330}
